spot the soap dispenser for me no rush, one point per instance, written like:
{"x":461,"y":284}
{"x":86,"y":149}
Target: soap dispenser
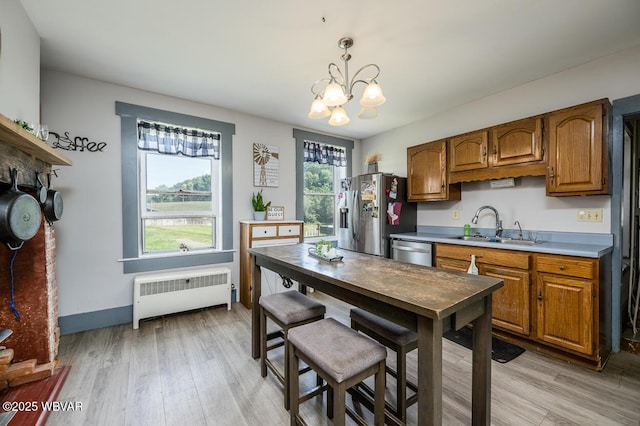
{"x":473,"y":269}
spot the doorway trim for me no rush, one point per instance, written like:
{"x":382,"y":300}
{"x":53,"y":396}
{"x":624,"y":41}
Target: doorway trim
{"x":621,"y":108}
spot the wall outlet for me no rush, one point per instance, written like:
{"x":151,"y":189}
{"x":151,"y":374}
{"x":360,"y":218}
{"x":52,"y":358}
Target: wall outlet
{"x":589,"y":215}
{"x":456,"y":214}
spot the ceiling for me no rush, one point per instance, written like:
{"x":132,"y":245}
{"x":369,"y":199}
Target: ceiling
{"x":261,"y":57}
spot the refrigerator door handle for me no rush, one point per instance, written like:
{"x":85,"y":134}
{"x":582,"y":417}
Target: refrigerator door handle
{"x":355,"y":219}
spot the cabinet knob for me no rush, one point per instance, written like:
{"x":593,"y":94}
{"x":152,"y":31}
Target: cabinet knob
{"x":540,"y":296}
{"x":562,"y":267}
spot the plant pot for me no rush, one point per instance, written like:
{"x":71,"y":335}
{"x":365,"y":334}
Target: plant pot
{"x":372,"y":167}
{"x":259,"y":215}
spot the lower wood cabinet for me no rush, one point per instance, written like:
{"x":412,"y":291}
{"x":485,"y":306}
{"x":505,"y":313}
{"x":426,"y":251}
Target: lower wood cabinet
{"x":549,"y":303}
{"x":511,"y":310}
{"x":567,"y":302}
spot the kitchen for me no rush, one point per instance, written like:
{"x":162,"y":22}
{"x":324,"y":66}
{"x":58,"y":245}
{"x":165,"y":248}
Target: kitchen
{"x":92,"y":186}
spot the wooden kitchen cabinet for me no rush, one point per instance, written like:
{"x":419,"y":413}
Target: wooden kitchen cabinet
{"x":262,"y":234}
{"x":549,"y":303}
{"x":510,"y":303}
{"x":567,"y":302}
{"x":427,"y":173}
{"x":509,"y":150}
{"x":578,"y":150}
{"x":469,"y":151}
{"x":518,"y":142}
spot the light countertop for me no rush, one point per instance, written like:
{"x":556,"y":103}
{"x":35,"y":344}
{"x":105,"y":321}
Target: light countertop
{"x":583,"y":245}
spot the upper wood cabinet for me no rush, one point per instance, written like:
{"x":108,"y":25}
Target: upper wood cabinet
{"x":509,"y":150}
{"x":568,"y":146}
{"x":578,"y":150}
{"x":518,"y":142}
{"x":427,"y":173}
{"x":468,"y":151}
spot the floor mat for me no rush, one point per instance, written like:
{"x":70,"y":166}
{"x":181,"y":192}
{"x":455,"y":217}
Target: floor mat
{"x":501,"y":351}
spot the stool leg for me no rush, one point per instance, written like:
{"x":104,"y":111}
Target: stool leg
{"x":378,"y":412}
{"x":287,"y":361}
{"x":330,"y":402}
{"x":293,"y":385}
{"x":401,"y":383}
{"x":263,"y":343}
{"x":339,"y":404}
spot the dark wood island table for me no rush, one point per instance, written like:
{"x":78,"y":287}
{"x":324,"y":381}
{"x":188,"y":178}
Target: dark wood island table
{"x":421,"y":298}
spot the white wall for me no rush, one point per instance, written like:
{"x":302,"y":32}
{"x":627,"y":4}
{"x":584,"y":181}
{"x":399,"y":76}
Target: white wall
{"x":89,"y":240}
{"x":613,"y":77}
{"x":19,"y":64}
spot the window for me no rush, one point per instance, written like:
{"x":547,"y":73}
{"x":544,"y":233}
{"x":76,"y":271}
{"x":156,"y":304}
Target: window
{"x":321,"y":183}
{"x":173,"y":198}
{"x":318,"y":183}
{"x":178,"y":207}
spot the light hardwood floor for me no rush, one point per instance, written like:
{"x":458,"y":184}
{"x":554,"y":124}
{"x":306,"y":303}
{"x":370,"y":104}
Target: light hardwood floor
{"x":195,"y":369}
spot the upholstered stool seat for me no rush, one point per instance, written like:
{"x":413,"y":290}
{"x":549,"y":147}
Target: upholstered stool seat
{"x":288,"y":309}
{"x":343,"y":358}
{"x":399,"y":339}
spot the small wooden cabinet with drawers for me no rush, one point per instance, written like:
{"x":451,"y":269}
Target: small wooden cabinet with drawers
{"x":262,"y":234}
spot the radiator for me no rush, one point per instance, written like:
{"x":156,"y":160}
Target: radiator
{"x":167,"y":293}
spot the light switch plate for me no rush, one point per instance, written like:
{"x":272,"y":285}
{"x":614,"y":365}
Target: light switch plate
{"x":589,"y":215}
{"x":456,"y":214}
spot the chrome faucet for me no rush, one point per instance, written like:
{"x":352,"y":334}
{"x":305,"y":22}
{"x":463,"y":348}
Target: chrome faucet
{"x":498,"y":221}
{"x":519,"y":227}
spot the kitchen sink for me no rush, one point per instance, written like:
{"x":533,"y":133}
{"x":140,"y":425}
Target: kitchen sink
{"x":520,"y":242}
{"x":476,"y":238}
{"x":498,"y":240}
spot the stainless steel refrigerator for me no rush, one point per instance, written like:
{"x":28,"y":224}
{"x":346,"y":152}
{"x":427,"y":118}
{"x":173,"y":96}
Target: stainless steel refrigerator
{"x":372,"y":206}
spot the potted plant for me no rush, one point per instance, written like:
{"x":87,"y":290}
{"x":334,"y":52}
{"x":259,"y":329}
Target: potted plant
{"x":259,"y":206}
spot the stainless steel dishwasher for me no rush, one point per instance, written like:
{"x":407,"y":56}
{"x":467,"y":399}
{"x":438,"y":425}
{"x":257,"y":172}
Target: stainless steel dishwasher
{"x":412,"y":251}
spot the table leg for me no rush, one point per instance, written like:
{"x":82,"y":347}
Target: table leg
{"x":429,"y":371}
{"x":481,"y":382}
{"x":256,"y":290}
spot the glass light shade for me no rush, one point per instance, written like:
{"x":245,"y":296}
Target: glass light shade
{"x":372,"y":96}
{"x":334,"y":95}
{"x":368,"y":112}
{"x":339,"y":117}
{"x":318,"y":109}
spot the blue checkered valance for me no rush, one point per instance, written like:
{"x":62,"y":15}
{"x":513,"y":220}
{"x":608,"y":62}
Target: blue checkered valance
{"x":324,"y":154}
{"x":173,"y":140}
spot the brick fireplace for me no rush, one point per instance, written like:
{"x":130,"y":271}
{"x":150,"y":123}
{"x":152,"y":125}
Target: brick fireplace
{"x":35,"y":334}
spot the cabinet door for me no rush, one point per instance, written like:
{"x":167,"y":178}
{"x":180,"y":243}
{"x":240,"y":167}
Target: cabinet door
{"x":468,"y":152}
{"x":565,"y":312}
{"x":519,"y":142}
{"x":427,"y":170}
{"x":577,"y":151}
{"x":510,"y":303}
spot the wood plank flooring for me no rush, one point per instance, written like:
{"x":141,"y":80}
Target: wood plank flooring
{"x":195,"y":369}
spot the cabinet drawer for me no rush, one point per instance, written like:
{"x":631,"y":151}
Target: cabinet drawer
{"x":508,"y":258}
{"x":264,"y":231}
{"x":583,"y":268}
{"x":288,"y":230}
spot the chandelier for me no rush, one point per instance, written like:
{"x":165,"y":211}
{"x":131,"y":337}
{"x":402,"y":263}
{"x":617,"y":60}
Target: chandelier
{"x":333,"y":92}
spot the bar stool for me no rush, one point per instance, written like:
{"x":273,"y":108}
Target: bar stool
{"x":399,"y":339}
{"x":287,"y":309}
{"x":341,"y":357}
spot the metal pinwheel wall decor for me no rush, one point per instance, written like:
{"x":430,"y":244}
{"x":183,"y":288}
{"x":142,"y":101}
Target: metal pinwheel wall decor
{"x":265,"y":165}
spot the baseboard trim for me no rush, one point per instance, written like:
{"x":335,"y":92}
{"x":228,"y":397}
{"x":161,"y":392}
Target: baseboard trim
{"x":97,"y":319}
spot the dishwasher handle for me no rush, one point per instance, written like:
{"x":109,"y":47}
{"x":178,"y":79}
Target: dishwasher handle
{"x":412,"y":249}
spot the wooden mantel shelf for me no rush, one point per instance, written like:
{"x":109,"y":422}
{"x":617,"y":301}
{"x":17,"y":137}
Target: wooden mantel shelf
{"x":18,"y":137}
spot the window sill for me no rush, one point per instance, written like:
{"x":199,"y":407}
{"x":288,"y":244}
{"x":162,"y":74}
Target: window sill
{"x":176,"y":260}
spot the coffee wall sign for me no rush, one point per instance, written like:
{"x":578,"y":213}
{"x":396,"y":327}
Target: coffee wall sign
{"x":78,"y":143}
